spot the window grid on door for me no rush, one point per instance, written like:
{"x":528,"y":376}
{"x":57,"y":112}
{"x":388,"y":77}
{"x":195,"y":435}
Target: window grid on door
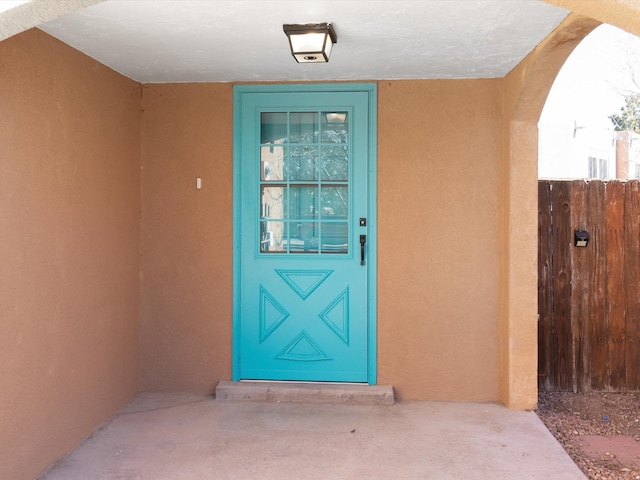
{"x":304,"y":182}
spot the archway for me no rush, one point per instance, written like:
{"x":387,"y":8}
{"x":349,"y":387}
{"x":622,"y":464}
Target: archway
{"x":526,"y":89}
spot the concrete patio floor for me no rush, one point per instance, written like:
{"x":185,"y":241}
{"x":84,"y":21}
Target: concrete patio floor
{"x":177,"y":436}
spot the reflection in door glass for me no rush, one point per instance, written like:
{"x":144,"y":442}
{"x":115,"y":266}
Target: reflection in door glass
{"x":303,"y":163}
{"x":303,"y":204}
{"x":335,"y":202}
{"x":335,"y":237}
{"x":273,"y":127}
{"x":304,"y":182}
{"x":272,"y":163}
{"x":273,"y":237}
{"x":334,"y":164}
{"x":303,"y":127}
{"x":304,"y":237}
{"x":335,"y":127}
{"x":273,"y":202}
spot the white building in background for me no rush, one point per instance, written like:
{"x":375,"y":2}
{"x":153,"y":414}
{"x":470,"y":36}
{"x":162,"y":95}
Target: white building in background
{"x":576,"y":137}
{"x":568,"y":150}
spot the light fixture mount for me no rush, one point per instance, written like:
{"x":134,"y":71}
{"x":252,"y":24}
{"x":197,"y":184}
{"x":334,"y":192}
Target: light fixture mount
{"x":312,"y":42}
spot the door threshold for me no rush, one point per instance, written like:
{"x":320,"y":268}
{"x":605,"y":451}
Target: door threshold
{"x":306,"y":392}
{"x":296,"y":382}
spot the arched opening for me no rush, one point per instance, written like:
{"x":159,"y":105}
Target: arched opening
{"x":526,"y":90}
{"x":577,"y":137}
{"x":588,"y":296}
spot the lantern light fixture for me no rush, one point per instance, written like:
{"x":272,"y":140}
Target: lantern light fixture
{"x":311,"y":43}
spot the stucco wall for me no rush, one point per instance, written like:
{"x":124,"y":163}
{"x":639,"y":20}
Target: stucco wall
{"x":525,"y":91}
{"x":438,"y":230}
{"x":186,"y":246}
{"x":69,"y":237}
{"x":456,"y":172}
{"x":439,"y":252}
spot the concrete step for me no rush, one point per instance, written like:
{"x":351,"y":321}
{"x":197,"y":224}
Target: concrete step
{"x":300,"y":392}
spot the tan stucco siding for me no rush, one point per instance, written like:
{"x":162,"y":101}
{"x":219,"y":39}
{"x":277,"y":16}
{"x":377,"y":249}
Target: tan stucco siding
{"x":439,"y":251}
{"x":69,"y":208}
{"x":86,"y":275}
{"x":438,"y":231}
{"x":186,"y":236}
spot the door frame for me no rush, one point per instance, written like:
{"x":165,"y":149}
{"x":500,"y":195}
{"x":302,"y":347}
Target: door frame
{"x":372,"y":230}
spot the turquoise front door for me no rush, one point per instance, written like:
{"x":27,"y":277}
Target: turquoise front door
{"x":304,"y":233}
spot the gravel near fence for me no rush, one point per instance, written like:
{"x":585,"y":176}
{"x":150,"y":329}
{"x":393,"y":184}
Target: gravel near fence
{"x":574,"y":418}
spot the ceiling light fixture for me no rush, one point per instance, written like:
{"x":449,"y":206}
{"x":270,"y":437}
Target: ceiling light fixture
{"x":311,"y":43}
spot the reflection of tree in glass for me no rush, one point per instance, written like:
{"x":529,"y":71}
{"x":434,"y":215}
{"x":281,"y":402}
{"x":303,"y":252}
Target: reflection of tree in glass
{"x":335,"y":163}
{"x":332,"y":161}
{"x":334,"y":166}
{"x":335,"y":201}
{"x":303,"y":163}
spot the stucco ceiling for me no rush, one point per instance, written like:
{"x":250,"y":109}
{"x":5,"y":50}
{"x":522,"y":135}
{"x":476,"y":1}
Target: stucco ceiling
{"x":242,"y":40}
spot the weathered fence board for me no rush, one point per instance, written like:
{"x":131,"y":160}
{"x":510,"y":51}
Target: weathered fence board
{"x":597,"y":283}
{"x":615,"y":378}
{"x":632,"y":284}
{"x":579,"y":287}
{"x":544,"y":286}
{"x":561,"y":285}
{"x":589,"y":298}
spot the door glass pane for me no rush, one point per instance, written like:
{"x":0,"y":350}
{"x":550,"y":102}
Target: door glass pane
{"x":273,"y":202}
{"x":272,"y":163}
{"x":335,"y":127}
{"x":304,"y":189}
{"x":304,"y":237}
{"x":303,"y":163}
{"x":273,"y":237}
{"x":273,"y":127}
{"x":335,"y":202}
{"x":334,"y":164}
{"x":303,"y":127}
{"x":303,"y":203}
{"x":335,"y":237}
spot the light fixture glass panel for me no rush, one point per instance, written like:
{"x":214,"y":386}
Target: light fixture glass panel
{"x":308,"y":42}
{"x":328,"y":47}
{"x":311,"y":43}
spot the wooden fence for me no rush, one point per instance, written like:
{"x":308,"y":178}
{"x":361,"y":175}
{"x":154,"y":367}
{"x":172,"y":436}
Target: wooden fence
{"x":589,"y":297}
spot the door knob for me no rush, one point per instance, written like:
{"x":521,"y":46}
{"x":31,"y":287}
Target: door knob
{"x":363,"y":240}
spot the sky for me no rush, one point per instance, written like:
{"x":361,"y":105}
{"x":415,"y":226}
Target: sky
{"x":589,"y":85}
{"x":574,"y":124}
{"x":9,"y":4}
